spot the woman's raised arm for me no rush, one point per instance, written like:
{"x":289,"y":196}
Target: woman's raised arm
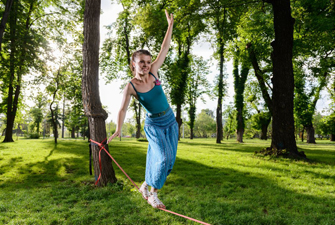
{"x":165,"y":45}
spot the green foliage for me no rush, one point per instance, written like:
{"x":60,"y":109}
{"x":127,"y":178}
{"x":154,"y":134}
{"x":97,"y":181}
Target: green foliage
{"x":304,"y":100}
{"x":240,"y":79}
{"x":197,"y":86}
{"x":229,"y":116}
{"x":260,"y":119}
{"x":34,"y":135}
{"x":204,"y":125}
{"x":117,"y":48}
{"x":327,"y":125}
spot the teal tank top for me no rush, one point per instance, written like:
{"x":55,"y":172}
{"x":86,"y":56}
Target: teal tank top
{"x":154,"y":101}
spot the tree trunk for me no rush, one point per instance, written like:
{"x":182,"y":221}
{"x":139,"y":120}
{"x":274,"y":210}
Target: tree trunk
{"x":332,"y":137}
{"x":219,"y":127}
{"x":179,"y":119}
{"x":302,"y":134}
{"x":10,"y":115}
{"x":73,"y":133}
{"x":138,"y":121}
{"x":90,"y":91}
{"x":310,"y":134}
{"x":240,"y":126}
{"x":191,"y":135}
{"x":259,"y":76}
{"x":63,"y":118}
{"x":283,"y":79}
{"x":264,"y":132}
{"x":8,"y":6}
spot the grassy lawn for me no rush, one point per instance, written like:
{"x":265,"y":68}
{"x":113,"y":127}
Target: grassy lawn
{"x":41,"y":183}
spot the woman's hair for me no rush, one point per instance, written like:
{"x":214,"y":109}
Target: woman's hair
{"x":135,"y":54}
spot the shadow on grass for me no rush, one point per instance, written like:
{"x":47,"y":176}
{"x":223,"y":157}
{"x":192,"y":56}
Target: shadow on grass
{"x":215,"y":195}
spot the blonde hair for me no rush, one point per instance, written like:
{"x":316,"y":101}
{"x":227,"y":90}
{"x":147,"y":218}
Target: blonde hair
{"x":134,"y":55}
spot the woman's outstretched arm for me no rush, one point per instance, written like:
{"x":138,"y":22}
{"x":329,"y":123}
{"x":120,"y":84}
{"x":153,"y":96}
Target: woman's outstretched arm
{"x":127,"y":92}
{"x":165,"y":45}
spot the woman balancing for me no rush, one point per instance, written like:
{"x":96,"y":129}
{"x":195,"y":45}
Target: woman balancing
{"x":160,"y":127}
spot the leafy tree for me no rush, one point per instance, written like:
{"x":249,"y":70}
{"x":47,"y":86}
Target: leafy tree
{"x":196,"y":87}
{"x":229,"y":116}
{"x":305,"y":103}
{"x":222,"y":17}
{"x":260,"y":119}
{"x":327,"y":126}
{"x":19,"y":56}
{"x":188,"y":26}
{"x":314,"y":61}
{"x":204,"y":125}
{"x":239,"y":85}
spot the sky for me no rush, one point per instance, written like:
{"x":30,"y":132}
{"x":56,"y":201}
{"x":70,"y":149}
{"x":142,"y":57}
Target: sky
{"x":111,"y":96}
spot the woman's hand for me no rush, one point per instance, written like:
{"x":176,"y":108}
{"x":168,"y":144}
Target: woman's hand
{"x":169,"y":17}
{"x":116,"y":134}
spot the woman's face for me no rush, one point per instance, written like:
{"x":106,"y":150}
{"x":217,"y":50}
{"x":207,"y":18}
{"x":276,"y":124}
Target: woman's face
{"x":142,"y":64}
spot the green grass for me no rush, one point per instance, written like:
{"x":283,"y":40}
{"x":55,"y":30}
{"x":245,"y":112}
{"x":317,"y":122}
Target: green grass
{"x":41,"y":183}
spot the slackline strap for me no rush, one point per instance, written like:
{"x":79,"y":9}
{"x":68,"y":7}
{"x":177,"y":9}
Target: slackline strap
{"x":102,"y":147}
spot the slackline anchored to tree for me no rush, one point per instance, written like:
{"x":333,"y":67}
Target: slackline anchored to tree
{"x":102,"y":147}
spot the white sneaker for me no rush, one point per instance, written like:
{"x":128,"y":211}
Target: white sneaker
{"x":154,"y":201}
{"x":144,"y":190}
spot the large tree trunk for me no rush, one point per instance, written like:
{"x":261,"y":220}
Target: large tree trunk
{"x":283,"y":79}
{"x":310,"y":134}
{"x":332,"y":137}
{"x":10,"y":115}
{"x":90,"y":91}
{"x":191,"y":135}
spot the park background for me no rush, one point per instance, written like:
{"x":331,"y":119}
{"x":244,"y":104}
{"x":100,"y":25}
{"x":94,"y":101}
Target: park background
{"x":236,"y":168}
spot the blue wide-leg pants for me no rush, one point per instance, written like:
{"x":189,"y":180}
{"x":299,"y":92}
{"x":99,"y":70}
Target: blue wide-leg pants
{"x":162,"y":134}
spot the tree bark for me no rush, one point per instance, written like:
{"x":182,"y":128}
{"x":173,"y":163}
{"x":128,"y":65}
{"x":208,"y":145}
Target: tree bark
{"x":9,"y":113}
{"x":8,"y":7}
{"x":179,"y":119}
{"x":90,"y":91}
{"x":73,"y":133}
{"x":240,"y":126}
{"x":283,"y":79}
{"x":219,"y":127}
{"x":63,"y":118}
{"x":332,"y":137}
{"x":310,"y":134}
{"x":264,"y":132}
{"x":138,"y":119}
{"x":259,"y":76}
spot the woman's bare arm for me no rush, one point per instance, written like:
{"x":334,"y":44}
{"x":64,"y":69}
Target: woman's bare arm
{"x":165,"y":45}
{"x":127,"y":92}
